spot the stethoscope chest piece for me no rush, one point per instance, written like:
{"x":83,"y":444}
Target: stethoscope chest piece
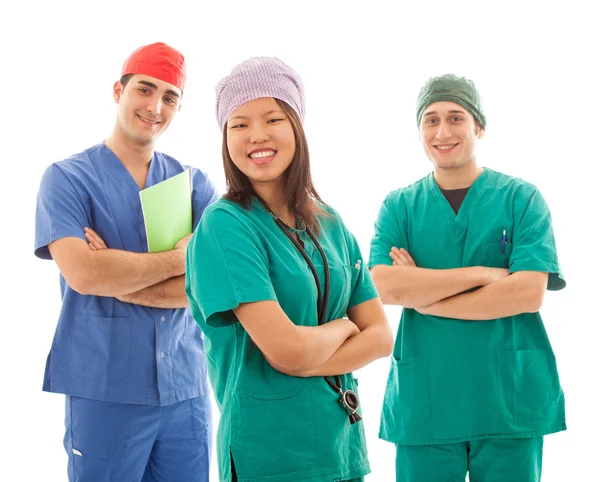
{"x":351,"y":403}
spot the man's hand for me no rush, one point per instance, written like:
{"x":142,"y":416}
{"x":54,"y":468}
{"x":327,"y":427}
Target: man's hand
{"x":95,"y":242}
{"x":183,"y":242}
{"x":401,"y":257}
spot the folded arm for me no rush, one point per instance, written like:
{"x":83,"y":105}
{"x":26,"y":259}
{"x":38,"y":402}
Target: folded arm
{"x":521,"y":292}
{"x":166,"y":294}
{"x":286,"y":346}
{"x":112,"y":272}
{"x":374,"y":341}
{"x":407,"y":285}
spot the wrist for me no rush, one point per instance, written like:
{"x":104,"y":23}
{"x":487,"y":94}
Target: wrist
{"x":483,"y":276}
{"x":177,"y":263}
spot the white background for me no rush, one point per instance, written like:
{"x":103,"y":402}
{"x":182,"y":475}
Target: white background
{"x":362,"y":64}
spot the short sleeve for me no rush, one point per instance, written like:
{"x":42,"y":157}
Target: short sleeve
{"x":204,"y":194}
{"x":390,"y":230}
{"x":534,"y":248}
{"x":226,"y":266}
{"x":60,"y":211}
{"x":364,"y":289}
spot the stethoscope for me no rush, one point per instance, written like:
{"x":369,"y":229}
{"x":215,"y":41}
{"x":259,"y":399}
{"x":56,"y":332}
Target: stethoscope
{"x":348,"y":399}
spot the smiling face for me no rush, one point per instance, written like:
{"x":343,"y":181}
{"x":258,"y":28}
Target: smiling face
{"x":449,"y":135}
{"x":146,"y":108}
{"x":261,"y":141}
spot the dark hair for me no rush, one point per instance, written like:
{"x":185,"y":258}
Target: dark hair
{"x":126,"y":78}
{"x":302,"y":197}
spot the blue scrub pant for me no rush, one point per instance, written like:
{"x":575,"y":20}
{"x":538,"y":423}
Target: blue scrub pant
{"x":486,"y":460}
{"x":119,"y":442}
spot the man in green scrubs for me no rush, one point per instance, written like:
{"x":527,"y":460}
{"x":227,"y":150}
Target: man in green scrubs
{"x":468,"y":252}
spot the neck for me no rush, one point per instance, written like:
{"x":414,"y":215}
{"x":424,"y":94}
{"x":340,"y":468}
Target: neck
{"x":457,"y":178}
{"x":273,"y":194}
{"x":132,"y":155}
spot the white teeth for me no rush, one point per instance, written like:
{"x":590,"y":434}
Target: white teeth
{"x":147,"y":121}
{"x":445,"y":148}
{"x":262,"y":154}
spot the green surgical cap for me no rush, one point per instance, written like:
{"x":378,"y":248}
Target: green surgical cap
{"x":450,"y":88}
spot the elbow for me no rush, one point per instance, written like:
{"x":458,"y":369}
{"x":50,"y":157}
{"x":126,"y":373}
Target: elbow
{"x":84,"y":284}
{"x":290,"y":360}
{"x":383,"y":287}
{"x":535,"y":302}
{"x":390,"y":291}
{"x":388,"y":346}
{"x":80,"y":284}
{"x":387,"y":342}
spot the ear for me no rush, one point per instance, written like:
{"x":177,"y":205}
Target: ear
{"x":480,"y":132}
{"x":117,"y":91}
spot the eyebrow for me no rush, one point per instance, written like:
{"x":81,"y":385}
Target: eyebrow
{"x":263,"y":115}
{"x":432,"y":112}
{"x":154,"y":86}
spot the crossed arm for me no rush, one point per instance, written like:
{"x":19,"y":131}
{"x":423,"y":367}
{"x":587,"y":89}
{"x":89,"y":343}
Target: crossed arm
{"x":150,"y":279}
{"x":337,"y":347}
{"x":443,"y":292}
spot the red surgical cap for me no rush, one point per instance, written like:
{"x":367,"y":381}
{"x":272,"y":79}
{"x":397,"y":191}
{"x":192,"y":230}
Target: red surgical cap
{"x":159,"y":61}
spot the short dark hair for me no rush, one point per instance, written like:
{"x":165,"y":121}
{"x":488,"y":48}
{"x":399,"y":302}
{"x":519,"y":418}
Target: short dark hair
{"x":302,"y":197}
{"x":126,"y":78}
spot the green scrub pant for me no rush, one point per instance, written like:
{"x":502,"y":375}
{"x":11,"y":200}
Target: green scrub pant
{"x":486,"y":460}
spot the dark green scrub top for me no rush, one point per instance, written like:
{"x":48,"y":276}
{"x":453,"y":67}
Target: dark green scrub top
{"x":455,"y":380}
{"x":276,"y":427}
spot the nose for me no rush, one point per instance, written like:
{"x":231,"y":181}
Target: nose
{"x":154,"y":105}
{"x":442,"y":132}
{"x":258,"y":134}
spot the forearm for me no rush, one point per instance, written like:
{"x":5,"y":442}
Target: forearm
{"x":321,"y":342}
{"x":355,"y":353}
{"x":414,"y":287}
{"x":509,"y":297}
{"x":112,"y":272}
{"x":167,"y":294}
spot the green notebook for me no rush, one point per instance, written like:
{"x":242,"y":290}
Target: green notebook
{"x":167,"y":210}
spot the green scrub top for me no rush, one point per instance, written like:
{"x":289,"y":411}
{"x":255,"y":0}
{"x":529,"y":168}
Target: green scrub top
{"x":456,"y":380}
{"x":275,"y":426}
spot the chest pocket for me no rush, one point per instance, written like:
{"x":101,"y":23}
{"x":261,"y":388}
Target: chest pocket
{"x":491,"y":255}
{"x":342,"y":281}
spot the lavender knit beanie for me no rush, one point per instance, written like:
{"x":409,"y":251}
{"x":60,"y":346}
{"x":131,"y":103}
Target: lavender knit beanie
{"x":255,"y":78}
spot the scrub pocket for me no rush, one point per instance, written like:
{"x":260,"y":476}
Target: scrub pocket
{"x":279,"y":432}
{"x":100,"y":348}
{"x":528,"y":384}
{"x":407,"y":401}
{"x":490,"y":255}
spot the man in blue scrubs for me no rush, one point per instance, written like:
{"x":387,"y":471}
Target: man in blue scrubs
{"x":126,"y":352}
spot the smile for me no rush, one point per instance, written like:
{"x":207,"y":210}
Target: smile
{"x":262,"y":154}
{"x":446,"y":147}
{"x":145,"y":120}
{"x":262,"y":157}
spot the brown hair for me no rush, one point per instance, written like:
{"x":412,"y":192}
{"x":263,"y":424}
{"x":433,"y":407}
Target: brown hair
{"x":301,"y":194}
{"x":125,"y":79}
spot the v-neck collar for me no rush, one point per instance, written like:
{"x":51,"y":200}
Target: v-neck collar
{"x":459,"y":220}
{"x":124,"y":174}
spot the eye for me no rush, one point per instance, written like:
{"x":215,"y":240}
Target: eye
{"x":457,"y":118}
{"x":273,"y":121}
{"x":430,"y":121}
{"x":143,"y":90}
{"x":238,"y":126}
{"x":170,"y":100}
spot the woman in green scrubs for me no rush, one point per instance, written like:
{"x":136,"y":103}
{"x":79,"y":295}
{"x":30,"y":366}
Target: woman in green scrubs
{"x":468,"y":252}
{"x":272,"y":273}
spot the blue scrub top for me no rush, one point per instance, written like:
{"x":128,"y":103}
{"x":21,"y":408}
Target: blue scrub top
{"x":105,"y":349}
